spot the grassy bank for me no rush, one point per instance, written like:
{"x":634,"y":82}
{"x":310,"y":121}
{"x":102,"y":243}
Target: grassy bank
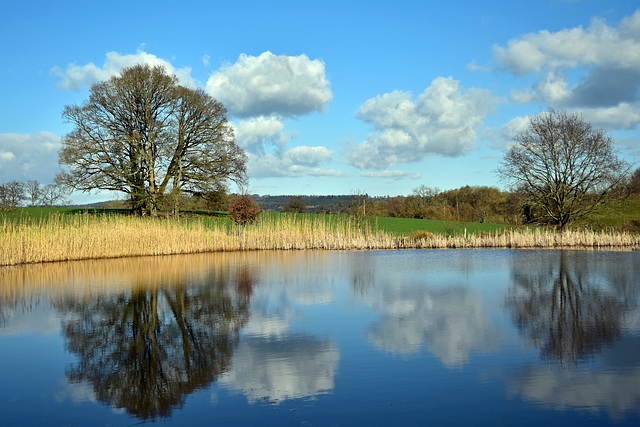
{"x":57,"y":237}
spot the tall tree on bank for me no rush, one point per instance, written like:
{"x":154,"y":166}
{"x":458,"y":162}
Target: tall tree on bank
{"x":143,"y":134}
{"x":563,"y":166}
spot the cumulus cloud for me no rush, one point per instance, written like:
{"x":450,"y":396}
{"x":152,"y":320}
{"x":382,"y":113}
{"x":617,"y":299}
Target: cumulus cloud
{"x":264,"y":91}
{"x":442,"y":120}
{"x":396,"y":175}
{"x":266,"y":144}
{"x":296,"y":162}
{"x":262,"y":134}
{"x":502,"y":138}
{"x":622,"y":116}
{"x":42,"y":320}
{"x":281,"y":369}
{"x":450,"y":322}
{"x":25,"y":157}
{"x":607,"y":57}
{"x":78,"y":77}
{"x":271,"y":84}
{"x":615,"y":391}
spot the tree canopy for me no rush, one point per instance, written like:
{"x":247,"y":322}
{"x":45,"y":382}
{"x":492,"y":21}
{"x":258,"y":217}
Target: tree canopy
{"x":563,"y":166}
{"x":295,"y":204}
{"x":143,"y":134}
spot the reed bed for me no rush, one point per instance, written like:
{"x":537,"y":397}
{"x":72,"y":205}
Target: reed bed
{"x":61,"y":238}
{"x":536,"y":238}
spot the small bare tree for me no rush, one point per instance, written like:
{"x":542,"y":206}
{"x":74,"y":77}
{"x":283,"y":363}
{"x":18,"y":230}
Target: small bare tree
{"x":11,"y":195}
{"x":33,"y":192}
{"x":54,"y":195}
{"x":564,"y":167}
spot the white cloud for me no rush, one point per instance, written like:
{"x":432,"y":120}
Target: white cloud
{"x":396,"y":175}
{"x":269,"y":84}
{"x":616,"y":391}
{"x":25,"y":157}
{"x":299,"y":161}
{"x":261,"y":134}
{"x":450,"y":322}
{"x":520,"y":56}
{"x":608,"y":58}
{"x":309,"y":156}
{"x":40,"y":319}
{"x":442,"y":120}
{"x":622,"y":116}
{"x":502,"y":138}
{"x":6,"y":156}
{"x":280,"y":369}
{"x":265,"y":141}
{"x":269,"y":326}
{"x":78,"y":77}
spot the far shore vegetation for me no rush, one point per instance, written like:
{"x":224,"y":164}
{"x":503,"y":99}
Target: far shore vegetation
{"x":36,"y":234}
{"x":567,"y":189}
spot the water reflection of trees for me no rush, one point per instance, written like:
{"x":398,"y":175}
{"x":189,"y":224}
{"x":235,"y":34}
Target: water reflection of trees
{"x":146,"y":349}
{"x":569,"y":305}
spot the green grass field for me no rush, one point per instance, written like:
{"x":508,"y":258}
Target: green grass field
{"x":622,"y":214}
{"x":399,"y":226}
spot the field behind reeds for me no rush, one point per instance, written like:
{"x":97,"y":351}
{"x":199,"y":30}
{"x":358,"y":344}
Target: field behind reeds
{"x":87,"y":236}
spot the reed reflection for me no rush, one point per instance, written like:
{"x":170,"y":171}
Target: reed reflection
{"x":566,"y":306}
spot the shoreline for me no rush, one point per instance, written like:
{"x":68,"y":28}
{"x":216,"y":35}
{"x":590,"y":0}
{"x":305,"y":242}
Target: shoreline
{"x":88,"y":237}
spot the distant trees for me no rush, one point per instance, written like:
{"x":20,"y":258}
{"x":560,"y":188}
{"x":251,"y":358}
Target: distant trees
{"x":295,"y":204}
{"x":33,"y":192}
{"x":563,"y":167}
{"x":143,"y":134}
{"x":14,"y":193}
{"x":11,"y":194}
{"x":634,"y":182}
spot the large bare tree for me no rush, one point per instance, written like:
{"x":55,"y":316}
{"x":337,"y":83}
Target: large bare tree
{"x":563,"y":166}
{"x":143,"y":134}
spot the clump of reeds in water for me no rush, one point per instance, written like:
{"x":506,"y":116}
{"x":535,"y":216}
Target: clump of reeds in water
{"x":532,"y":238}
{"x":59,"y":238}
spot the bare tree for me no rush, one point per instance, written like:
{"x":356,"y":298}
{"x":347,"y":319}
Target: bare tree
{"x":11,"y":194}
{"x":142,"y":134}
{"x":563,"y":165}
{"x":54,"y":195}
{"x":33,"y":191}
{"x":426,"y":193}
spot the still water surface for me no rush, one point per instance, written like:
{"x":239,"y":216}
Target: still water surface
{"x":417,"y":337}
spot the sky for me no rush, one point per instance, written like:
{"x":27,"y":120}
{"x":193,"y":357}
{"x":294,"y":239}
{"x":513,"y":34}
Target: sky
{"x":332,"y":97}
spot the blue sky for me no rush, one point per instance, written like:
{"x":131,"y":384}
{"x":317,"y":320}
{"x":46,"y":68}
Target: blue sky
{"x":333,"y":97}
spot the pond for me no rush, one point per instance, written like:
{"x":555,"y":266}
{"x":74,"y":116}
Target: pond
{"x":416,"y":337}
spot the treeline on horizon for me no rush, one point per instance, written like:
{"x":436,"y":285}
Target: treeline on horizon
{"x":483,"y":204}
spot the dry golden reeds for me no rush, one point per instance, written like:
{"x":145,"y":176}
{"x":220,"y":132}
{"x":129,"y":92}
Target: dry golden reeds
{"x":60,"y":238}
